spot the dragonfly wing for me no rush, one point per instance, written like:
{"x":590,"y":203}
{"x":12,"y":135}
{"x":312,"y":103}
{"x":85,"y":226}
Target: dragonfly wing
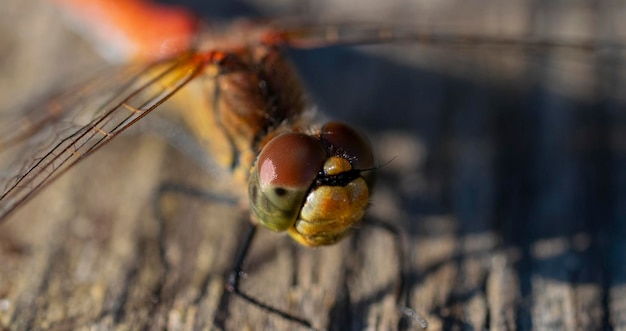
{"x":51,"y":138}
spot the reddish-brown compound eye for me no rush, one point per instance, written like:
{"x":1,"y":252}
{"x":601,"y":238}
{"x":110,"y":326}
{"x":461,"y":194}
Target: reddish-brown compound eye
{"x":342,"y":140}
{"x":291,"y":161}
{"x":283,"y":173}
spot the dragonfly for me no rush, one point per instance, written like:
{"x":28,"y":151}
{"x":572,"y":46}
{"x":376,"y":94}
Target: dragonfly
{"x":145,"y":89}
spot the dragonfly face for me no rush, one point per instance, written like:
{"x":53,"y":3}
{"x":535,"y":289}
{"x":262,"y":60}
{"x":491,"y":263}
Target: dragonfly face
{"x":315,"y":187}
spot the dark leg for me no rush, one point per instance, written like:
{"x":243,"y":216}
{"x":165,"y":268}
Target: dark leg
{"x":235,"y":276}
{"x":232,"y":285}
{"x":402,"y":300}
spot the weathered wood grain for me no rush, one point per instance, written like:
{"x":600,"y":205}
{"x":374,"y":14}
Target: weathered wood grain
{"x":505,"y":177}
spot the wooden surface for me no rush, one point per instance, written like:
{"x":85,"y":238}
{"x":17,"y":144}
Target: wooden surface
{"x":505,"y":176}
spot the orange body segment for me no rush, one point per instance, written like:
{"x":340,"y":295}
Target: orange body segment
{"x":138,"y":30}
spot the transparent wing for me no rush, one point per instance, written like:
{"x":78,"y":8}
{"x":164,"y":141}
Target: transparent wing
{"x":50,"y":138}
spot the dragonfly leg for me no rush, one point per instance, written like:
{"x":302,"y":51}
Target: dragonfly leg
{"x":234,"y":277}
{"x":409,"y":316}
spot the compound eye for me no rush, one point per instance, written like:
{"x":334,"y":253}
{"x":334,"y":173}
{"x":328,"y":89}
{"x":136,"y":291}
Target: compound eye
{"x":342,"y":140}
{"x":287,"y":166}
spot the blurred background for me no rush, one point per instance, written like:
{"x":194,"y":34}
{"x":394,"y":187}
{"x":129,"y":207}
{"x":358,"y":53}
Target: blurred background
{"x":504,"y":166}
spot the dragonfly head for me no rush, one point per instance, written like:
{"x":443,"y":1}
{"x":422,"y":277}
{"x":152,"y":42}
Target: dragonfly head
{"x":316,"y":187}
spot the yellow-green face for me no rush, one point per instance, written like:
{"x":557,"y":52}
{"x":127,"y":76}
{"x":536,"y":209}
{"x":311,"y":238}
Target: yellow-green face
{"x":316,"y":187}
